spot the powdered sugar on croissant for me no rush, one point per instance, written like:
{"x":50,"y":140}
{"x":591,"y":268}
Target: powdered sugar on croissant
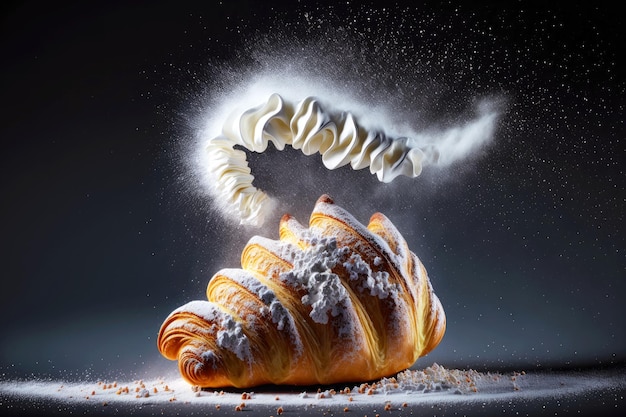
{"x":334,"y":302}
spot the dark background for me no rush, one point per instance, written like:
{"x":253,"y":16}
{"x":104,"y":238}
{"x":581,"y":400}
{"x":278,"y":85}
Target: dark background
{"x":104,"y":231}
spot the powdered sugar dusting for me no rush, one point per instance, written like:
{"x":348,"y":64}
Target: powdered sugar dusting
{"x":324,"y":291}
{"x":435,"y":385}
{"x":204,"y":309}
{"x":233,"y":338}
{"x":375,"y":282}
{"x":273,"y":307}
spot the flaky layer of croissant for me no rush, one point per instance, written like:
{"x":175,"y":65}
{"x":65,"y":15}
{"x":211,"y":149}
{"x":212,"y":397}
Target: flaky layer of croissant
{"x":334,"y":302}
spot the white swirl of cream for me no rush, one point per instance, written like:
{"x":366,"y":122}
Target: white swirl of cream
{"x":305,"y":126}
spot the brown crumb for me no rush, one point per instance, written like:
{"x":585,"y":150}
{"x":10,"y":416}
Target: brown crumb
{"x":217,"y":406}
{"x":346,"y":409}
{"x":277,"y":398}
{"x":279,"y":410}
{"x":405,"y":405}
{"x":238,"y":408}
{"x":387,"y":407}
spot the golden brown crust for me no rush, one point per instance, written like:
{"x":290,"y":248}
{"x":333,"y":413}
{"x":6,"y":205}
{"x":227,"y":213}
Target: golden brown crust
{"x":335,"y":302}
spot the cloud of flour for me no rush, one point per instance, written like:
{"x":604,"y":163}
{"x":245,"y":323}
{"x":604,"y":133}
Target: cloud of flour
{"x":387,"y":92}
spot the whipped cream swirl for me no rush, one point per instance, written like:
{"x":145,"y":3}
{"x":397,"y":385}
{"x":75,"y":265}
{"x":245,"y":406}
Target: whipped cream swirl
{"x":310,"y":128}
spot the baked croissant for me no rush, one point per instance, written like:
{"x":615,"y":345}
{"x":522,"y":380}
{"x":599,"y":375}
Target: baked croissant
{"x":335,"y":302}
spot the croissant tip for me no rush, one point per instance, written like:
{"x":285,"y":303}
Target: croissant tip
{"x":378,"y":217}
{"x":325,"y":198}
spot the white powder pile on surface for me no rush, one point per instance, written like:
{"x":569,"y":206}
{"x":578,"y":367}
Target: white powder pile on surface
{"x":432,"y":385}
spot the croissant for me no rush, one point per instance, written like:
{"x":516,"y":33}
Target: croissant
{"x":335,"y":302}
